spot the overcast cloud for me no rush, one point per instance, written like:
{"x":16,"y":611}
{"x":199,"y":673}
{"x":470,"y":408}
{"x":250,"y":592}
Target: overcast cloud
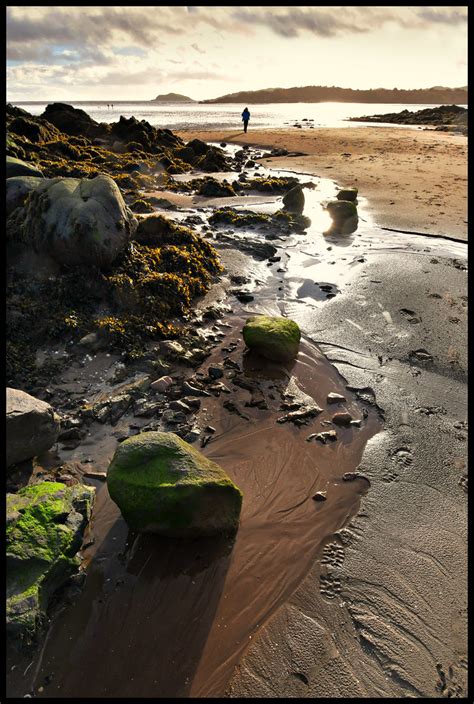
{"x":137,"y":52}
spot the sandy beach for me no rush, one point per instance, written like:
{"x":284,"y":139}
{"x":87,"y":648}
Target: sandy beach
{"x":362,"y":594}
{"x":414,"y":179}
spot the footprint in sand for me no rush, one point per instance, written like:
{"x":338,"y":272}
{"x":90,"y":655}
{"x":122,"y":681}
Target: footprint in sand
{"x":332,"y":559}
{"x":410,"y":315}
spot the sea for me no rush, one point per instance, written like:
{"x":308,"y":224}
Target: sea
{"x":181,"y":116}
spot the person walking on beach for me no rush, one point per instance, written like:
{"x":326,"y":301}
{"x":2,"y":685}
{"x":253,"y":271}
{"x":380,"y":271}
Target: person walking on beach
{"x":245,"y":118}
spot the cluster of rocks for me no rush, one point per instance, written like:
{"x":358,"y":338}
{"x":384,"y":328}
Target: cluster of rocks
{"x":445,"y":117}
{"x":343,"y":212}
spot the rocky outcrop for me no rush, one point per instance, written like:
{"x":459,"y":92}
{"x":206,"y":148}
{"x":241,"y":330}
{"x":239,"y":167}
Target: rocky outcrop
{"x":163,"y":485}
{"x":73,"y":121}
{"x":275,"y":338}
{"x":141,"y":132}
{"x":75,"y":221}
{"x":17,"y":167}
{"x":34,"y":129}
{"x":45,"y":523}
{"x":32,"y":426}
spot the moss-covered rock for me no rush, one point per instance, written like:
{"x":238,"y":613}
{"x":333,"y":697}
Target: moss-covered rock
{"x":273,"y":337}
{"x":75,"y":221}
{"x":164,"y":485}
{"x":348,"y":194}
{"x":45,"y":523}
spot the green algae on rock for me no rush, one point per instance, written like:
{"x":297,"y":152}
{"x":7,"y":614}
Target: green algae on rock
{"x":45,"y":523}
{"x":273,"y":337}
{"x":164,"y":485}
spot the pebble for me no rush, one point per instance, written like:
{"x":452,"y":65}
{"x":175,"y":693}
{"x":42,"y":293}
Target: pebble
{"x":210,"y":429}
{"x":215,"y":372}
{"x":342,"y":418}
{"x":327,"y":435}
{"x":162,"y":384}
{"x":193,"y":391}
{"x":335,"y":398}
{"x":319,"y":496}
{"x":350,"y":476}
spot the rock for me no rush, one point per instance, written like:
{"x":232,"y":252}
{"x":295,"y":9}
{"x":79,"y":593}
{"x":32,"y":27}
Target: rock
{"x":350,"y":476}
{"x":164,"y":485}
{"x":327,"y":435}
{"x":348,"y":194}
{"x":301,"y":416}
{"x":275,"y":338}
{"x":180,"y":406}
{"x":72,"y":121}
{"x":342,"y":418}
{"x":198,"y":147}
{"x":17,"y":167}
{"x":18,"y":189}
{"x":294,"y":199}
{"x":319,"y":496}
{"x":335,"y":398}
{"x":32,"y":426}
{"x":171,"y":348}
{"x":211,"y":188}
{"x":215,"y":372}
{"x":344,"y":216}
{"x":45,"y":523}
{"x":76,"y":221}
{"x":189,"y":390}
{"x":161,"y":385}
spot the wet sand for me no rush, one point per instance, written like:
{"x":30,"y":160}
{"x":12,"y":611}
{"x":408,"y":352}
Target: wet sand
{"x":414,"y":179}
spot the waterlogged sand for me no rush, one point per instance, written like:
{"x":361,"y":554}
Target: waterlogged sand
{"x":413,"y":179}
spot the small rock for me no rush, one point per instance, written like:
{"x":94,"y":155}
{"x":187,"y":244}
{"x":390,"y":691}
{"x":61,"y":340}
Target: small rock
{"x":335,"y":398}
{"x":193,"y":391}
{"x":215,"y":372}
{"x":210,"y":429}
{"x":162,"y":384}
{"x":319,"y":496}
{"x":350,"y":476}
{"x":180,"y":406}
{"x":326,"y":435}
{"x":343,"y":418}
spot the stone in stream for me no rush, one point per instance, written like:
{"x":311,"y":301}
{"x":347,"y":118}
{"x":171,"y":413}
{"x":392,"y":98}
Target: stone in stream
{"x":45,"y":524}
{"x":273,"y":337}
{"x":32,"y":426}
{"x":335,"y":398}
{"x":294,"y":199}
{"x":164,"y":485}
{"x":319,"y":496}
{"x":344,"y":217}
{"x":343,"y":418}
{"x":348,"y":194}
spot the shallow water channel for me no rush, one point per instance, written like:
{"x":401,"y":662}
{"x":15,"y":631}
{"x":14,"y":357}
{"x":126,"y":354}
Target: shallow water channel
{"x":170,"y":618}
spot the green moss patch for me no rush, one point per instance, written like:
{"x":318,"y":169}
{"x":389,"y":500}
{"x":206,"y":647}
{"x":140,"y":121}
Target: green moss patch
{"x":275,"y":338}
{"x":45,"y":523}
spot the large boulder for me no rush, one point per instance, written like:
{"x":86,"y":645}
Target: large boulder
{"x":18,"y":188}
{"x":294,"y":199}
{"x":76,"y":221}
{"x":273,"y":337}
{"x":164,"y":485}
{"x":32,"y":426}
{"x":17,"y":167}
{"x":45,"y":524}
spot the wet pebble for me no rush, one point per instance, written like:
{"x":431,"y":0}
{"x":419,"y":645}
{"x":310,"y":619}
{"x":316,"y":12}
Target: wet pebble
{"x":335,"y":398}
{"x":343,"y":418}
{"x":319,"y":496}
{"x":215,"y":372}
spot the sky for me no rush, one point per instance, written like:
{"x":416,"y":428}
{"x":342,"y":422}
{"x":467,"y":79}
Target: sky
{"x":136,"y":53}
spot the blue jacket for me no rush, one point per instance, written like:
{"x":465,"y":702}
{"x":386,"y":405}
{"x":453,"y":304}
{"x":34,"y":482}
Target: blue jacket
{"x":245,"y":115}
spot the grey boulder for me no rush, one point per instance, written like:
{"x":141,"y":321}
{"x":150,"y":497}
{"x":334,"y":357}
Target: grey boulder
{"x":17,"y":167}
{"x":32,"y":426}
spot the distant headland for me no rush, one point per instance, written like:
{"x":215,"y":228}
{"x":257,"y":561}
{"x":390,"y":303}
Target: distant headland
{"x":172,"y":98}
{"x":322,"y":94}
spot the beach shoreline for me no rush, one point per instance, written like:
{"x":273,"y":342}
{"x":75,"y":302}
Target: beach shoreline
{"x":398,"y":170}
